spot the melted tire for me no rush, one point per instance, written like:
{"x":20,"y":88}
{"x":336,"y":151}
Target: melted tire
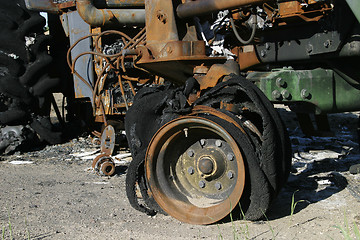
{"x":273,"y":152}
{"x":25,"y":85}
{"x":267,"y":152}
{"x":257,"y":195}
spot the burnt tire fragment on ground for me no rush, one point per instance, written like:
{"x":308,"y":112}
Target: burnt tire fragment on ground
{"x":25,"y":85}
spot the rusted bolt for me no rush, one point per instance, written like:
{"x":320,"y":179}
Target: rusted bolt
{"x":191,"y":170}
{"x":276,"y":95}
{"x":327,"y":43}
{"x":309,"y":48}
{"x":305,"y":94}
{"x":267,"y":46}
{"x":230,"y":174}
{"x":218,"y":143}
{"x":218,"y":185}
{"x":263,"y":53}
{"x":190,"y":153}
{"x":161,"y":16}
{"x":285,"y":94}
{"x":202,"y":142}
{"x":230,"y":157}
{"x":280,"y":82}
{"x":201,"y":184}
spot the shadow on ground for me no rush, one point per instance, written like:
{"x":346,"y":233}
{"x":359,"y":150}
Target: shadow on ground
{"x":320,"y":164}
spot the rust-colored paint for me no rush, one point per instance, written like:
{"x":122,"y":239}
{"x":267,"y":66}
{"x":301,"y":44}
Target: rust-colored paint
{"x":78,"y":89}
{"x":178,"y":57}
{"x":103,"y":164}
{"x":293,"y":10}
{"x":246,"y":56}
{"x":160,"y":23}
{"x":65,"y":5}
{"x":216,"y":73}
{"x":202,"y":109}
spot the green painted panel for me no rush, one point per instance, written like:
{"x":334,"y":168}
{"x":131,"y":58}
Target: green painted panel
{"x":318,"y":90}
{"x":355,"y":7}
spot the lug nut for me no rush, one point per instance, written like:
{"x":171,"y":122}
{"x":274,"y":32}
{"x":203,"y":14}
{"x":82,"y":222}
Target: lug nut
{"x":267,"y":46}
{"x":201,"y":184}
{"x":263,"y":53}
{"x":191,"y":170}
{"x":218,"y":143}
{"x":230,"y":174}
{"x":230,"y":156}
{"x":218,"y":185}
{"x":327,"y":43}
{"x":276,"y":95}
{"x":285,"y":94}
{"x":202,"y":142}
{"x":305,"y":94}
{"x":280,"y":82}
{"x":190,"y":153}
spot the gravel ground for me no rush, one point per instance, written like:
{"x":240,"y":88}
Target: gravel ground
{"x":52,"y":193}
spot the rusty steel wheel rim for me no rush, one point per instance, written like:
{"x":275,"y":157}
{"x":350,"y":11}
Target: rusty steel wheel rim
{"x":97,"y":158}
{"x":107,"y":168}
{"x":195,"y":170}
{"x":103,"y":165}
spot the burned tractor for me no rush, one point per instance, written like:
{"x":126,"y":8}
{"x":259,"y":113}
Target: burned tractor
{"x":192,"y":84}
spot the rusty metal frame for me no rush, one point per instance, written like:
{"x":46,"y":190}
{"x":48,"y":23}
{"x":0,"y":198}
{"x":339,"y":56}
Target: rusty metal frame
{"x":101,"y":17}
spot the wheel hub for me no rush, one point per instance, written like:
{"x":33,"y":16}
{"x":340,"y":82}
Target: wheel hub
{"x":207,"y":169}
{"x":195,"y":170}
{"x":206,"y":165}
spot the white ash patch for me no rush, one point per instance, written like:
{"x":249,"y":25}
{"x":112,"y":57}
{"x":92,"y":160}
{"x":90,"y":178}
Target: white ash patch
{"x":20,"y":162}
{"x":29,"y":41}
{"x":12,"y":55}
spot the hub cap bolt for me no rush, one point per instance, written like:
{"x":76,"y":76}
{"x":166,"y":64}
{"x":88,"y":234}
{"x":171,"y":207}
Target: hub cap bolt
{"x":230,"y":175}
{"x":202,"y":142}
{"x":218,"y":143}
{"x":218,"y":185}
{"x":201,"y":184}
{"x":191,"y":170}
{"x":280,"y":82}
{"x":286,"y":94}
{"x":230,"y":157}
{"x":305,"y":94}
{"x":276,"y":95}
{"x":191,"y":153}
{"x":206,"y":166}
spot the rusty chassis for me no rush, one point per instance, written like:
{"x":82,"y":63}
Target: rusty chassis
{"x":188,"y":75}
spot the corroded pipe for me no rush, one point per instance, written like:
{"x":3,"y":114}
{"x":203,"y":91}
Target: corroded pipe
{"x":101,"y":17}
{"x":119,"y":3}
{"x":201,"y":7}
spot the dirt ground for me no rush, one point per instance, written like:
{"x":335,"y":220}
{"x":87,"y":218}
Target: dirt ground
{"x":52,"y":193}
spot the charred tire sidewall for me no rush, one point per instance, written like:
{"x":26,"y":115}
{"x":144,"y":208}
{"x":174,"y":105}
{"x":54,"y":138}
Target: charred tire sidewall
{"x":275,"y":153}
